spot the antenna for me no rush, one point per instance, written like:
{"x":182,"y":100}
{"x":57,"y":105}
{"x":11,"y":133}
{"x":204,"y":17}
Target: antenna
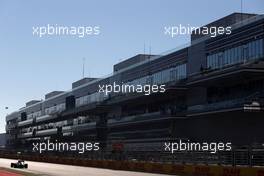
{"x":83,"y":67}
{"x":241,"y":9}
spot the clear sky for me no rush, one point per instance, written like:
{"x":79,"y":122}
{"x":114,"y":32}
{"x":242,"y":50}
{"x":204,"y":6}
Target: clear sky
{"x":30,"y":66}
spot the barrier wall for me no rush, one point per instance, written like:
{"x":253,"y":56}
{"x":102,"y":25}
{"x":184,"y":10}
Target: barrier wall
{"x":173,"y":169}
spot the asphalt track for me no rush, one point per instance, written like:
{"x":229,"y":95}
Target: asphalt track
{"x":48,"y":169}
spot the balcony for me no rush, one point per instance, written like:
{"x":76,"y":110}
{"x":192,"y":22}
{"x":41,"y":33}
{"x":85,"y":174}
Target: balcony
{"x":66,"y":129}
{"x":25,"y":135}
{"x":79,"y":127}
{"x":136,"y":118}
{"x":235,"y":72}
{"x":25,"y":123}
{"x":47,"y":132}
{"x":11,"y":126}
{"x":45,"y":118}
{"x":85,"y":126}
{"x":216,"y":106}
{"x":252,"y":102}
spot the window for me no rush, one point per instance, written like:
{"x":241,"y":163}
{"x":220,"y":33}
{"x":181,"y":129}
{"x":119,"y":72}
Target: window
{"x":251,"y":50}
{"x":173,"y":74}
{"x":220,"y":60}
{"x":240,"y":58}
{"x":261,"y":48}
{"x":230,"y":57}
{"x":245,"y":53}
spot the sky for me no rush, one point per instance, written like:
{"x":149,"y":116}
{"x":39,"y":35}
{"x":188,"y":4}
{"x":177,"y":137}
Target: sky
{"x":31,"y":66}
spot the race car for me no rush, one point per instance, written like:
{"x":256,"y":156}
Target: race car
{"x":19,"y":164}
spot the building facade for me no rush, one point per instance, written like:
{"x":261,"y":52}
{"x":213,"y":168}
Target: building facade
{"x":214,"y":92}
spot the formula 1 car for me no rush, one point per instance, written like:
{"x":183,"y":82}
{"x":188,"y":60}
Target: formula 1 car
{"x":19,"y":164}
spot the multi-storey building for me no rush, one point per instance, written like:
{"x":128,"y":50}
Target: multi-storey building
{"x":214,"y":92}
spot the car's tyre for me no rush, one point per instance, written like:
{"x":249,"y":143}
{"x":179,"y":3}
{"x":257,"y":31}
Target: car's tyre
{"x":26,"y":166}
{"x":12,"y":165}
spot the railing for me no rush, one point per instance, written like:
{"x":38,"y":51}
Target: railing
{"x":47,"y":132}
{"x":11,"y":126}
{"x":84,"y":126}
{"x":134,"y":117}
{"x":239,"y":156}
{"x":26,"y":122}
{"x":25,"y":135}
{"x":44,"y":118}
{"x":79,"y":127}
{"x":218,"y":105}
{"x":236,"y":157}
{"x":240,"y":102}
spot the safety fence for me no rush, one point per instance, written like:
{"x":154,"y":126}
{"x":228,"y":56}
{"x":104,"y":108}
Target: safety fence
{"x":151,"y":167}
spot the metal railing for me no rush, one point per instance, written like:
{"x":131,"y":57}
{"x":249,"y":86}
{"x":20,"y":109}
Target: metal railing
{"x":239,"y":156}
{"x":239,"y":102}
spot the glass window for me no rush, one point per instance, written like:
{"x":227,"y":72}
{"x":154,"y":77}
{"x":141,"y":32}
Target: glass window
{"x":216,"y":61}
{"x":184,"y":71}
{"x":213,"y":60}
{"x":207,"y":61}
{"x":233,"y":55}
{"x":245,"y":52}
{"x":172,"y":74}
{"x":249,"y":50}
{"x":261,"y":47}
{"x":220,"y":60}
{"x":228,"y":56}
{"x":240,"y":54}
{"x":254,"y":49}
{"x":225,"y":58}
{"x":257,"y":48}
{"x":236,"y":58}
{"x":164,"y":76}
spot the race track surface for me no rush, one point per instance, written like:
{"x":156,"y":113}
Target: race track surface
{"x":48,"y":169}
